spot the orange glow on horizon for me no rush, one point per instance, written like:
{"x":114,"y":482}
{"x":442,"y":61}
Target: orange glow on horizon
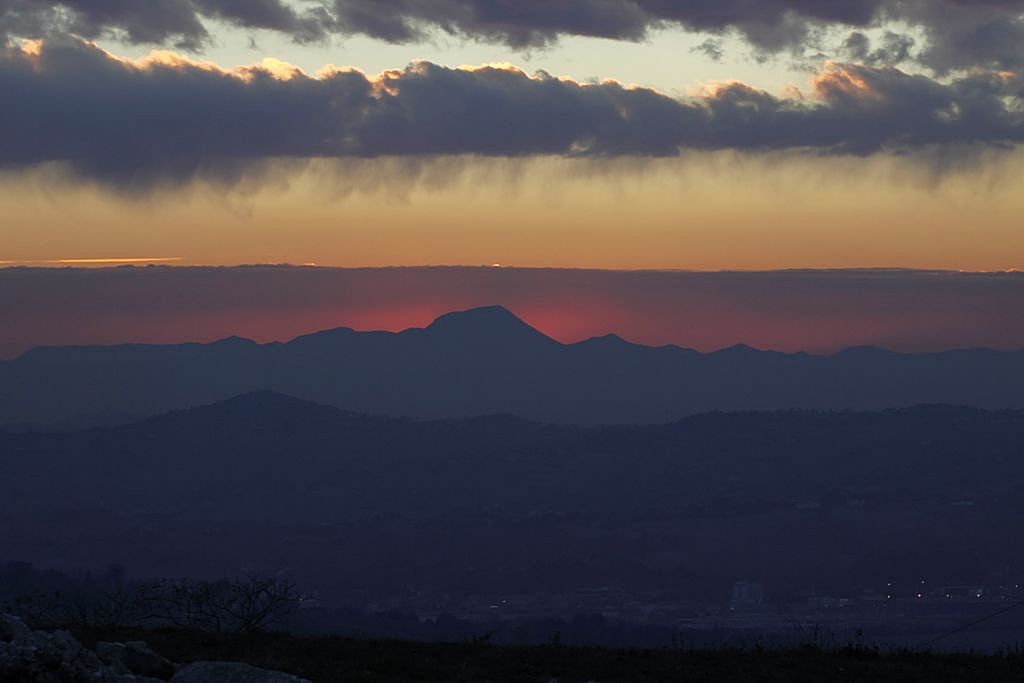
{"x":94,"y":261}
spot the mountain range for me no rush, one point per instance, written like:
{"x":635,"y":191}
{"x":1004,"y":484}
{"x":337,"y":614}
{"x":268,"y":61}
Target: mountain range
{"x":360,"y":508}
{"x":488,"y":361}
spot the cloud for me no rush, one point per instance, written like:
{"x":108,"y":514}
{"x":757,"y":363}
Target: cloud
{"x":963,"y":34}
{"x":710,"y":48}
{"x":959,"y":34}
{"x":896,"y":48}
{"x":167,"y":118}
{"x":171,"y":22}
{"x":768,"y":24}
{"x":94,"y":261}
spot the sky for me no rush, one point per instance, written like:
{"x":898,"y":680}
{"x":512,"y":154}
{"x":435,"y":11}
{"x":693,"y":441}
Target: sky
{"x":572,"y":134}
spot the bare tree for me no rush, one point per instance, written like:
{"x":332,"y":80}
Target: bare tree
{"x":248,"y":603}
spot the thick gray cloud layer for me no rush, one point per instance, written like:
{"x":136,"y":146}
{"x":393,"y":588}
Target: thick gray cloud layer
{"x":769,"y":23}
{"x":169,"y":120}
{"x":959,"y":33}
{"x":177,"y":22}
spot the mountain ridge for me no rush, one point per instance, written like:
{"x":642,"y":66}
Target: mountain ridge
{"x":355,"y":503}
{"x":489,"y":315}
{"x":264,"y":401}
{"x":488,"y":361}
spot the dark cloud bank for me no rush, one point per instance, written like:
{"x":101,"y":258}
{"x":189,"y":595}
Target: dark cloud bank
{"x":959,"y":33}
{"x":169,"y":119}
{"x":177,"y":22}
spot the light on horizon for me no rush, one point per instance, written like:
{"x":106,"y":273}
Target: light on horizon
{"x":93,"y":261}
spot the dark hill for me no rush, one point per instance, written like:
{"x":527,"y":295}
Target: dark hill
{"x":361,"y":506}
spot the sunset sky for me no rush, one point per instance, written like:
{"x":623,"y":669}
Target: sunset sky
{"x":572,"y":134}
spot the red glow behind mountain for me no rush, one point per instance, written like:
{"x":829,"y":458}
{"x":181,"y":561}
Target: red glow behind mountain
{"x":817,"y":311}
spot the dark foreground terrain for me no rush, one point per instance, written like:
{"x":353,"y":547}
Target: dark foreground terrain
{"x":342,"y":659}
{"x":909,"y":512}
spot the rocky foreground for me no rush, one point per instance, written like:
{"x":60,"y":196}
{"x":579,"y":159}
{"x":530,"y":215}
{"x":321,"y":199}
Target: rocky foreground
{"x":28,"y":656}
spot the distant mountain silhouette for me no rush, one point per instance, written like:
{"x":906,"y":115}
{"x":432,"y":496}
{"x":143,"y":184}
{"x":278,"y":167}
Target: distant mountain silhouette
{"x":271,"y":438}
{"x":485,"y":361}
{"x":489,"y":325}
{"x":363,"y":506}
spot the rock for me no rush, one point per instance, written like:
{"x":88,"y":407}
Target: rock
{"x":231,"y":672}
{"x":12,"y":629}
{"x":43,"y":657}
{"x":137,"y":657}
{"x":28,"y":656}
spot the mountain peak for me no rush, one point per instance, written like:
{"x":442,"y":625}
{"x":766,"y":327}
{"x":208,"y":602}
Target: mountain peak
{"x":481,"y":314}
{"x":263,"y":397}
{"x":234,"y":341}
{"x":606,"y":341}
{"x":253,"y":406}
{"x":491,"y":323}
{"x":257,"y":401}
{"x":738,"y":348}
